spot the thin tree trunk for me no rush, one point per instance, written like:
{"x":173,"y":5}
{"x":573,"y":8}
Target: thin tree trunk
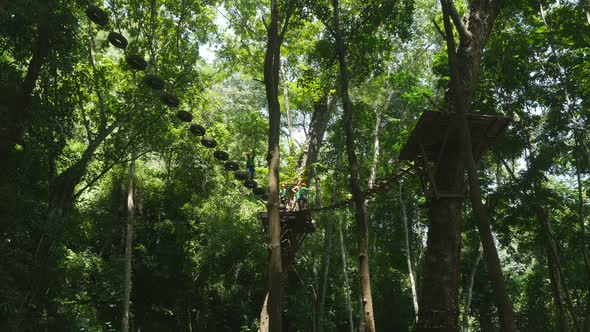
{"x":376,"y":148}
{"x":553,"y":267}
{"x":286,"y":99}
{"x":583,"y":234}
{"x":345,"y":275}
{"x":127,"y":283}
{"x":264,"y":319}
{"x":365,"y":276}
{"x":370,"y":186}
{"x":327,"y":252}
{"x":556,"y":276}
{"x":322,"y":110}
{"x":583,"y":231}
{"x":494,"y":267}
{"x":469,"y":294}
{"x":408,"y":254}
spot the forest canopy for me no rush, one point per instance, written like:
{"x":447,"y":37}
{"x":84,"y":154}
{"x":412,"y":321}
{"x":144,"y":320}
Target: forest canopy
{"x":285,"y":165}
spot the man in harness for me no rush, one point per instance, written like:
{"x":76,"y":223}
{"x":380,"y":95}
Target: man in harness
{"x":301,"y":192}
{"x":250,"y":164}
{"x":283,"y":195}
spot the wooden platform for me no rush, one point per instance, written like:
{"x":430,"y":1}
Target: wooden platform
{"x":294,"y":228}
{"x":435,"y":130}
{"x":296,"y":221}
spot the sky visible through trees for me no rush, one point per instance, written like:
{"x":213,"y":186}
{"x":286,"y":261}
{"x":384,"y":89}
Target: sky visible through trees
{"x":444,"y":145}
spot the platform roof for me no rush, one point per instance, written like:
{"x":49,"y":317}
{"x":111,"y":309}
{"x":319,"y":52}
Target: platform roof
{"x":434,"y":130}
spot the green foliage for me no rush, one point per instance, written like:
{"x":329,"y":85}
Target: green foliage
{"x":199,"y":253}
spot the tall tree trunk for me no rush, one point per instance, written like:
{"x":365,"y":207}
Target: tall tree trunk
{"x":464,"y":69}
{"x":272,"y":65}
{"x":127,"y":284}
{"x":345,"y":275}
{"x":439,"y":289}
{"x":468,"y":296}
{"x":355,"y":186}
{"x":409,"y":254}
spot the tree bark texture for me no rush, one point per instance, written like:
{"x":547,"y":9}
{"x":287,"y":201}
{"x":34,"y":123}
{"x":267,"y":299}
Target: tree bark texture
{"x":438,"y":298}
{"x":322,"y":110}
{"x":469,"y":291}
{"x":272,"y":64}
{"x":583,"y":231}
{"x":264,"y":323}
{"x":553,"y":267}
{"x":355,"y":186}
{"x":287,"y":108}
{"x":408,"y":254}
{"x":326,"y":255}
{"x":345,"y":275}
{"x":464,"y":77}
{"x":376,"y":151}
{"x":127,"y":283}
{"x":463,"y":83}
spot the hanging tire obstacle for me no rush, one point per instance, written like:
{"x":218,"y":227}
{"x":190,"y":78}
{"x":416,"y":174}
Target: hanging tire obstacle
{"x":231,"y":166}
{"x":97,"y":15}
{"x":170,"y":100}
{"x":154,"y":81}
{"x":221,"y":155}
{"x":250,"y":184}
{"x":117,"y":40}
{"x":136,"y":62}
{"x":184,"y":116}
{"x":197,"y":130}
{"x":208,"y":142}
{"x":241,"y":175}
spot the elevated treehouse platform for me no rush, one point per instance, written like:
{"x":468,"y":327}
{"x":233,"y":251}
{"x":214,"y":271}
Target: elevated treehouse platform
{"x":437,"y":132}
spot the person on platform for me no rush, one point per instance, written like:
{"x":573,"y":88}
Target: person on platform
{"x":250,"y":164}
{"x":301,"y":192}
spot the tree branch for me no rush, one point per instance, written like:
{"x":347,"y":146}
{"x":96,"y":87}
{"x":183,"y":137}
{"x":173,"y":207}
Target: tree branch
{"x":117,"y":159}
{"x":287,"y":18}
{"x":438,"y":29}
{"x":514,"y":178}
{"x":464,"y":34}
